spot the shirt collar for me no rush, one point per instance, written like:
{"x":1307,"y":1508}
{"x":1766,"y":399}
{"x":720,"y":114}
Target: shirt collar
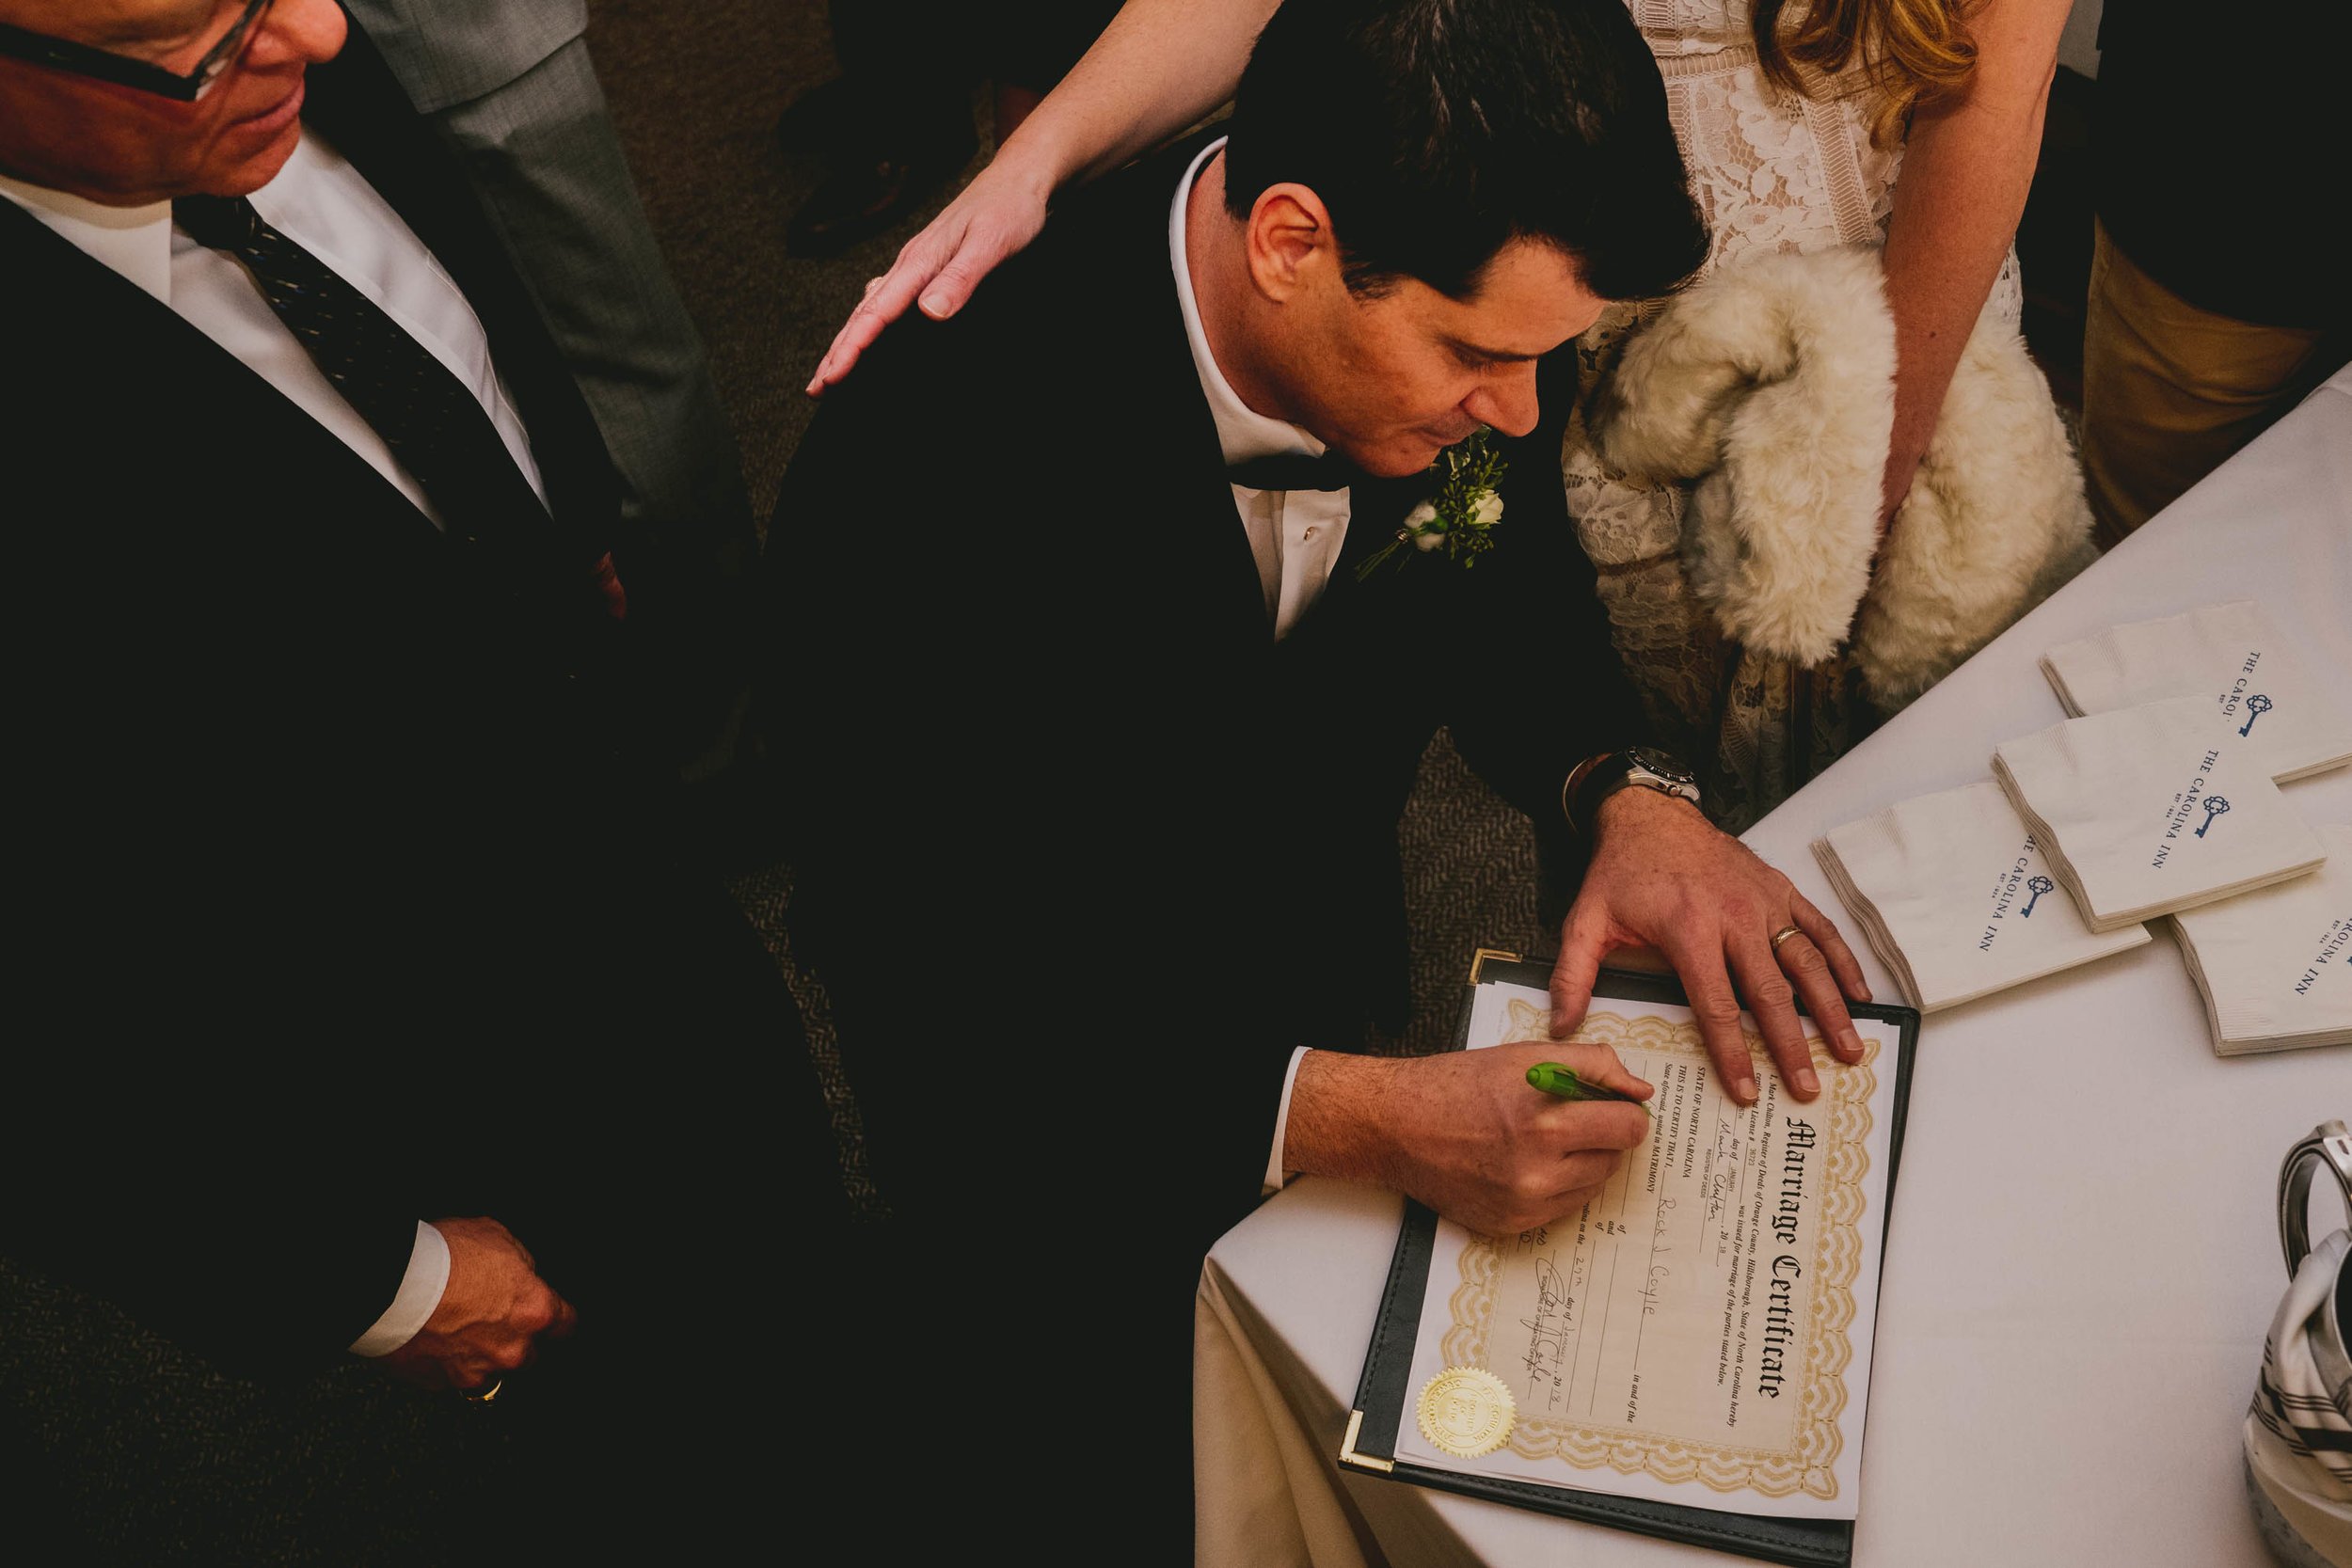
{"x":1241,"y":432}
{"x":135,"y":241}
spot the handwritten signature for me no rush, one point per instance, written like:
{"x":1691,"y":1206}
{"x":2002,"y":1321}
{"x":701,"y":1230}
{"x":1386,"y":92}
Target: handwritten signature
{"x":1659,"y":1273}
{"x":1724,"y":1171}
{"x":1554,"y":1323}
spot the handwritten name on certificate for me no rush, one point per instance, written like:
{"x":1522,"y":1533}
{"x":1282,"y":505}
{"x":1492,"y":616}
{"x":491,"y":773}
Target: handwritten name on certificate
{"x":1700,"y":1332}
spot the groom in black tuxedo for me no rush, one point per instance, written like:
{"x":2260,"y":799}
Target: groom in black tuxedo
{"x":1083,"y":644}
{"x":366,"y":1007}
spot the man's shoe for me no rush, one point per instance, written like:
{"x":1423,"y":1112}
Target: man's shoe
{"x":861,"y":196}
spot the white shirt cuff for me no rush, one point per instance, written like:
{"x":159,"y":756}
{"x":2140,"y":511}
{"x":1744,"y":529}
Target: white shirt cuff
{"x":421,"y":1290}
{"x":1275,"y":1177}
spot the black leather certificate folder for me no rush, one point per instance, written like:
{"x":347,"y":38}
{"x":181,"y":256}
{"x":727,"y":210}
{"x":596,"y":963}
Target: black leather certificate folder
{"x":1384,"y":1401}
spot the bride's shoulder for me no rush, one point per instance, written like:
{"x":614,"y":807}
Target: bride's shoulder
{"x":1675,"y":27}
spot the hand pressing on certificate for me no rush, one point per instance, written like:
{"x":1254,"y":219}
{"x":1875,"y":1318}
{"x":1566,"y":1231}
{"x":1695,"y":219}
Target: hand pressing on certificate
{"x":1464,"y":1131}
{"x":1736,"y":930}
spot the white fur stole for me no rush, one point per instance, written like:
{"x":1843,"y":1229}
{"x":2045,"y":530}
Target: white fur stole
{"x":1771,"y":383}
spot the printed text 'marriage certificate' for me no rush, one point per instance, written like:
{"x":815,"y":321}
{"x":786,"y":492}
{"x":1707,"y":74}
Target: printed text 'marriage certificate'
{"x":1700,"y":1332}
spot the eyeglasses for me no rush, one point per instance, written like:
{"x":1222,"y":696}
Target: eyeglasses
{"x":81,"y":59}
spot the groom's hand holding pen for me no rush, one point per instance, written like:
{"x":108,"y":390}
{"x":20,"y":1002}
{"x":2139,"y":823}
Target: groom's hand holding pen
{"x":1555,"y":1079}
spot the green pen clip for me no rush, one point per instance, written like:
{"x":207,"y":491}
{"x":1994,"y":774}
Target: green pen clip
{"x":1556,"y":1079}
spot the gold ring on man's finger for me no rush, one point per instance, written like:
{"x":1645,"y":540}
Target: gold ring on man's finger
{"x":1783,"y":934}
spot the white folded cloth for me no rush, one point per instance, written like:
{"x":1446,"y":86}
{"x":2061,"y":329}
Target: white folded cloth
{"x":1956,"y":897}
{"x":2146,"y":810}
{"x":2230,"y":652}
{"x":2275,"y":965}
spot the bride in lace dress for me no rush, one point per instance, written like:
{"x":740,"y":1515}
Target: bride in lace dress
{"x":1786,"y":156}
{"x":1793,"y":146}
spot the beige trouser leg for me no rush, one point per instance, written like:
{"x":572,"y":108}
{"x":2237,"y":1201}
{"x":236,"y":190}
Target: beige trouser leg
{"x":2171,"y":391}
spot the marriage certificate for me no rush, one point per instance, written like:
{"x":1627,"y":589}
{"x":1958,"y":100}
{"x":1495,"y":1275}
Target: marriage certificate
{"x":1699,"y":1333}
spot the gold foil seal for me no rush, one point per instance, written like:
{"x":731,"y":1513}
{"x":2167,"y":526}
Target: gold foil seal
{"x":1467,"y":1411}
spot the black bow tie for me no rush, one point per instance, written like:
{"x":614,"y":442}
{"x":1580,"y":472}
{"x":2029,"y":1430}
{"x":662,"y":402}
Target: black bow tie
{"x":1295,"y":472}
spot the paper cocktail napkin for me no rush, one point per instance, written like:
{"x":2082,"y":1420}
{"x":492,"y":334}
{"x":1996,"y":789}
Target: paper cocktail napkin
{"x":1955,"y":895}
{"x":2151,"y":809}
{"x":2275,"y":965}
{"x":2229,"y":652}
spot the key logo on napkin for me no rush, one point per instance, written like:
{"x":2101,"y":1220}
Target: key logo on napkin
{"x":2257,"y":704}
{"x":2184,"y":805}
{"x":2231,"y":653}
{"x":2155,"y":808}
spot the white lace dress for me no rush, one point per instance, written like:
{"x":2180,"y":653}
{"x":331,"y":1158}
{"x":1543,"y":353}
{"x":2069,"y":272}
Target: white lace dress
{"x":1770,"y":172}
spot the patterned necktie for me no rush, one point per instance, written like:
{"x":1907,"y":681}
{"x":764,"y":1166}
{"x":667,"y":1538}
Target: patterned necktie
{"x":435,"y":427}
{"x":1294,"y":471}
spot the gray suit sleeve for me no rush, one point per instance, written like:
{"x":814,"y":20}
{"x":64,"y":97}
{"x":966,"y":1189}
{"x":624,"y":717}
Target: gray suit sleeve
{"x":512,"y":89}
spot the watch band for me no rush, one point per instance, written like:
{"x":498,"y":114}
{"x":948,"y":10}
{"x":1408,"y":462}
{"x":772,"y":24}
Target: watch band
{"x":1596,"y":778}
{"x":1574,"y":782}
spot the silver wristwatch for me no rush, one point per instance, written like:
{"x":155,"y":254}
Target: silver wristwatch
{"x":1645,"y":767}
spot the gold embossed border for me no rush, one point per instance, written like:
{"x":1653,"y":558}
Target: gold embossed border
{"x":1807,"y":1465}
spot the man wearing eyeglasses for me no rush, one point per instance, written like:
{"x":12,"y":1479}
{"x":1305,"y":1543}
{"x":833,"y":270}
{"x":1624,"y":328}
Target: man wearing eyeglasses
{"x":378,"y":1007}
{"x":178,"y":133}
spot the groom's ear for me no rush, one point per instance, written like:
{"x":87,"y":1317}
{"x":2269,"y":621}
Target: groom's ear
{"x":1290,"y":242}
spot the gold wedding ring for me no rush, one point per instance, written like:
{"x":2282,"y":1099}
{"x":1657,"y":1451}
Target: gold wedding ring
{"x":1783,"y":935}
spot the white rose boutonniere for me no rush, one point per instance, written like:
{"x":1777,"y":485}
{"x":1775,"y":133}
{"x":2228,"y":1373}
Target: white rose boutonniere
{"x":1460,"y":519}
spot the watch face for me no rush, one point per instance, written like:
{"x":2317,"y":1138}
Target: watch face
{"x":1653,"y":761}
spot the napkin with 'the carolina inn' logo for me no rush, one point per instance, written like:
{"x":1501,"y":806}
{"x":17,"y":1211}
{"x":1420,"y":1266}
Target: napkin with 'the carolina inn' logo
{"x":2275,"y":965}
{"x":2151,"y":809}
{"x":1954,"y":892}
{"x":2231,"y":653}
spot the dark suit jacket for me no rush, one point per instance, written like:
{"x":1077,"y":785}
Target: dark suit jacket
{"x":335,"y":873}
{"x":2215,"y":203}
{"x":1021,"y":678}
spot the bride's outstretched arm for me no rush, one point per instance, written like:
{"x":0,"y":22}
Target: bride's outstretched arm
{"x":1158,"y":67}
{"x":1967,"y":165}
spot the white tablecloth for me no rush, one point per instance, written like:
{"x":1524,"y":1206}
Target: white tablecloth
{"x":2083,"y":1256}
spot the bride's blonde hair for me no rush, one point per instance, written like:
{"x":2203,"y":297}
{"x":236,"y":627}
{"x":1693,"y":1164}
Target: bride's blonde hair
{"x":1909,"y":50}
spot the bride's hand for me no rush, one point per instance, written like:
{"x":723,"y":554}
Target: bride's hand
{"x":1001,"y":212}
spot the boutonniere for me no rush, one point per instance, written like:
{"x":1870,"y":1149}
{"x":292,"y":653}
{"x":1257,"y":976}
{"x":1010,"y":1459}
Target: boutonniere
{"x":1461,"y":517}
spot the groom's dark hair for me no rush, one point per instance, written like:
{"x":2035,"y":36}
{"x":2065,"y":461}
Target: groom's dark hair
{"x":1437,"y":131}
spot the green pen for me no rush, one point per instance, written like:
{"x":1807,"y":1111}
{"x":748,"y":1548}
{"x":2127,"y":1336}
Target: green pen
{"x":1553,"y":1078}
